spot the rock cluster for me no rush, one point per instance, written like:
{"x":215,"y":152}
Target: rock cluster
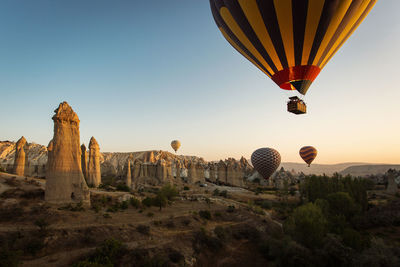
{"x":93,"y":171}
{"x":64,"y":179}
{"x":19,"y":161}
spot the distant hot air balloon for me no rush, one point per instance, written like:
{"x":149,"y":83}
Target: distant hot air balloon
{"x":266,"y":161}
{"x":308,"y":154}
{"x":289,"y":40}
{"x":175,"y":144}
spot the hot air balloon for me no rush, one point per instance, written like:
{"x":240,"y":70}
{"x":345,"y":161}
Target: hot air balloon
{"x":308,"y":154}
{"x":175,"y":144}
{"x":289,"y":40}
{"x":266,"y":161}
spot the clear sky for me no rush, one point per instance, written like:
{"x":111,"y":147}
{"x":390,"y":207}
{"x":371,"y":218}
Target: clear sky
{"x":141,"y":73}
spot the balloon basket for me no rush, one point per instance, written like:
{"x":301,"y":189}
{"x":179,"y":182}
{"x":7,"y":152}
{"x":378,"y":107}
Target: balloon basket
{"x":296,"y":106}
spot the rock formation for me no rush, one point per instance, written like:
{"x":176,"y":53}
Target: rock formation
{"x":93,"y":172}
{"x":391,"y":186}
{"x":221,"y":172}
{"x":84,"y":160}
{"x":64,"y":179}
{"x":19,"y":161}
{"x":128,"y":177}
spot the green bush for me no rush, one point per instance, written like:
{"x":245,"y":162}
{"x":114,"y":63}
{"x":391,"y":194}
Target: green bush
{"x":148,"y":202}
{"x":134,"y":202}
{"x":186,"y":188}
{"x":216,"y":192}
{"x":150,"y":214}
{"x":307,"y":225}
{"x":71,"y":207}
{"x":205,"y":214}
{"x":107,"y":254}
{"x":224,"y":194}
{"x":124,"y":188}
{"x":168,"y":191}
{"x":231,"y":209}
{"x":124,"y":205}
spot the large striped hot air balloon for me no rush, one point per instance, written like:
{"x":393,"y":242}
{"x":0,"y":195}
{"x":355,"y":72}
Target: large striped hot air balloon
{"x":289,"y":40}
{"x":308,"y":154}
{"x":266,"y":161}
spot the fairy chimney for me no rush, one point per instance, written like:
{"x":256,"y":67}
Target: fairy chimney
{"x":84,"y":160}
{"x":93,"y":172}
{"x":64,"y":179}
{"x":19,"y":160}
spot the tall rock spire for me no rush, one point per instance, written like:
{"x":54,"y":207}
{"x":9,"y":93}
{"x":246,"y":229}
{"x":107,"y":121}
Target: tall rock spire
{"x":64,"y":179}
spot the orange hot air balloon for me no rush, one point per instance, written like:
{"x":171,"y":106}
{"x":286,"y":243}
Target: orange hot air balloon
{"x":176,"y":144}
{"x":289,"y":40}
{"x":308,"y":154}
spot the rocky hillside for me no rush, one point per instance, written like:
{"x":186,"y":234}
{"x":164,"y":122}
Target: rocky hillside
{"x":144,"y":165}
{"x":367,"y":170}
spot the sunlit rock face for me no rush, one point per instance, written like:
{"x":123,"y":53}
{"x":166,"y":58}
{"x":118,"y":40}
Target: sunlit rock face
{"x":64,"y":178}
{"x":128,"y":176}
{"x":94,"y":172}
{"x":19,"y":161}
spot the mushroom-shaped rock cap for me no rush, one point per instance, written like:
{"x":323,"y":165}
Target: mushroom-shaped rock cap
{"x":21,"y":142}
{"x":65,"y":113}
{"x":93,"y":143}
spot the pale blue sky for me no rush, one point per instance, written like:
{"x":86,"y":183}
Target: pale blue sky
{"x":141,"y":73}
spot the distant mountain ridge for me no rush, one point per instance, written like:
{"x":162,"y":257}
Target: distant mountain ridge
{"x":352,"y":168}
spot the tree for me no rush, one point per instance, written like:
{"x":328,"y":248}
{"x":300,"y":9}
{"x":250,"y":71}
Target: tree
{"x":307,"y":225}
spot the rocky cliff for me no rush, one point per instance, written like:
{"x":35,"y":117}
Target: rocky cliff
{"x":152,"y":167}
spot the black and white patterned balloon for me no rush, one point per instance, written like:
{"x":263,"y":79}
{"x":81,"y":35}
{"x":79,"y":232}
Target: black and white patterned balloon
{"x":266,"y":160}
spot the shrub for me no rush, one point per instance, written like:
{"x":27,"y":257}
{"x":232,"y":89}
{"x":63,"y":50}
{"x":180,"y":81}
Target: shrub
{"x":150,"y":214}
{"x":204,"y":241}
{"x":186,"y":222}
{"x":217,"y":214}
{"x":205,"y":214}
{"x":148,"y":202}
{"x":134,"y":202}
{"x":168,"y":191}
{"x":71,"y":207}
{"x":124,"y":188}
{"x":42,"y":223}
{"x":231,"y":209}
{"x":186,"y":188}
{"x":216,"y":192}
{"x":107,"y":254}
{"x":175,"y":256}
{"x":143,"y":229}
{"x":220,"y":232}
{"x":107,"y":216}
{"x":265,"y":204}
{"x":124,"y":205}
{"x":224,"y":194}
{"x":160,"y":200}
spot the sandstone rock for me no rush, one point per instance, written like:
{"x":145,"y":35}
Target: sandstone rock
{"x":221,"y":172}
{"x":192,"y":173}
{"x":84,"y":160}
{"x":94,"y":172}
{"x":64,"y":179}
{"x":128,"y":177}
{"x":19,"y":162}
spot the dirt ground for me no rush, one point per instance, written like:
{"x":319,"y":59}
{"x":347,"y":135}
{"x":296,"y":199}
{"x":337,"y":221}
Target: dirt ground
{"x":68,"y":236}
